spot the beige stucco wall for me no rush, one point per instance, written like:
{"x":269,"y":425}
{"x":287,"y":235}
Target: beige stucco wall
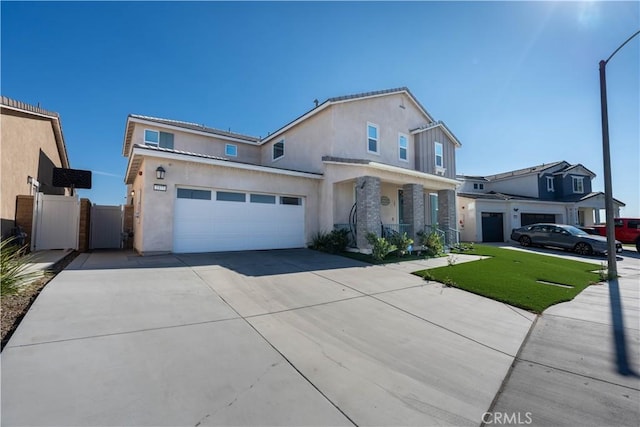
{"x":22,"y":137}
{"x":201,"y":144}
{"x":157,"y":208}
{"x":304,"y":145}
{"x":341,"y":131}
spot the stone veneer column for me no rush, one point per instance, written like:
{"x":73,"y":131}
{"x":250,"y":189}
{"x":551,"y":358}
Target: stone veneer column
{"x":447,"y":209}
{"x":368,"y":208}
{"x":413,"y":208}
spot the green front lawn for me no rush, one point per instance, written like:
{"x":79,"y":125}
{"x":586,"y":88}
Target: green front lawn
{"x":512,"y":276}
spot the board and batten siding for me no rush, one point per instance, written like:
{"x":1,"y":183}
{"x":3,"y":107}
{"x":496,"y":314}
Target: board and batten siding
{"x":425,"y":152}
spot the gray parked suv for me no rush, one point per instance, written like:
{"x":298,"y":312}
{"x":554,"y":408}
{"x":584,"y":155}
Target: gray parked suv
{"x":562,"y":236}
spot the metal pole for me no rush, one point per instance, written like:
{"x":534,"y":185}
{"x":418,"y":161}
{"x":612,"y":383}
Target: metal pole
{"x":608,"y":190}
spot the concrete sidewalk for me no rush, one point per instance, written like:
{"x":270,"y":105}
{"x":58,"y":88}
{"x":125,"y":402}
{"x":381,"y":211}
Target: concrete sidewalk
{"x":260,"y":338}
{"x":581,"y":363}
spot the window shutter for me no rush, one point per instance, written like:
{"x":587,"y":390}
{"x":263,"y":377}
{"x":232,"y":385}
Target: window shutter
{"x":166,"y":140}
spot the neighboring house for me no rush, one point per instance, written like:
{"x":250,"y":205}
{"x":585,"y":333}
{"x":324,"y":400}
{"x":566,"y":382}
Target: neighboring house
{"x":490,"y":206}
{"x":32,"y":145}
{"x":356,"y":162}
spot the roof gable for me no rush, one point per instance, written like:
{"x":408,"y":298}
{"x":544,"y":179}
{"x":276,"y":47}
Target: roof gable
{"x":11,"y":104}
{"x":575,"y":169}
{"x":349,"y":98}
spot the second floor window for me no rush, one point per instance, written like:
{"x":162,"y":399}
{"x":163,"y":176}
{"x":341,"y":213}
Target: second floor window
{"x":478,"y":186}
{"x":231,"y":150}
{"x":578,"y":184}
{"x":550,"y":186}
{"x":403,"y":147}
{"x":372,"y":138}
{"x":278,"y":149}
{"x":155,"y":138}
{"x":439,"y":155}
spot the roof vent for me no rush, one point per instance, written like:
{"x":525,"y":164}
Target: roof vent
{"x":315,"y":101}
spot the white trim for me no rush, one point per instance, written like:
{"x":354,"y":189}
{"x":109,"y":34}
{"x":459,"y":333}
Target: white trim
{"x":377,"y":138}
{"x":579,"y":179}
{"x":444,"y":129}
{"x":398,"y":170}
{"x":142,"y":152}
{"x":550,"y":184}
{"x":150,"y":143}
{"x":235,"y":147}
{"x":274,"y":159}
{"x":406,"y":138}
{"x":435,"y":155}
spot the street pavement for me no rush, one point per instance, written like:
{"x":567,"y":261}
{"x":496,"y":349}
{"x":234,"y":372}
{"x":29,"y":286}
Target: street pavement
{"x":292,"y":337}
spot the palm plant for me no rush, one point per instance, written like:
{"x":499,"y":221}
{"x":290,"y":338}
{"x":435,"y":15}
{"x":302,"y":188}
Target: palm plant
{"x":13,"y":267}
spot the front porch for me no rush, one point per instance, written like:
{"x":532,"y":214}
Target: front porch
{"x":372,"y":204}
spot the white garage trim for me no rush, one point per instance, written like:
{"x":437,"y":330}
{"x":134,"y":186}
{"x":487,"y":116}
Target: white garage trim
{"x":214,"y":220}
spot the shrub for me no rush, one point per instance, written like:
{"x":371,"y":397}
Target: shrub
{"x":401,"y":242}
{"x":333,"y":242}
{"x":432,"y":243}
{"x":380,"y":247}
{"x":13,"y":263}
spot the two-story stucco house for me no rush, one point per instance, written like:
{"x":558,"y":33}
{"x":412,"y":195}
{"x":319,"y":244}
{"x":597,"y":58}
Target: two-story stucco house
{"x":489,"y":207}
{"x":356,"y":161}
{"x":32,"y":146}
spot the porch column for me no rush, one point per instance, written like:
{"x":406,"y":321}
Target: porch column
{"x":447,"y":209}
{"x":368,"y":208}
{"x":413,"y":208}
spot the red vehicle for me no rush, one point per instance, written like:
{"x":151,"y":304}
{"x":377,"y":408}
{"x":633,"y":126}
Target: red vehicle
{"x":627,"y":230}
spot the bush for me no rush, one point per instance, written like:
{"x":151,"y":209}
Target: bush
{"x":333,"y":242}
{"x":13,"y":262}
{"x":432,"y":243}
{"x":380,"y":246}
{"x":401,"y":242}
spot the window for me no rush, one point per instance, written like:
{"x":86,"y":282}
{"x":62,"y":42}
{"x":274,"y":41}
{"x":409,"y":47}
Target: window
{"x":278,"y":149}
{"x":477,"y":186}
{"x":372,"y":138}
{"x":550,"y":186}
{"x":263,"y":198}
{"x":225,"y":196}
{"x":187,"y":193}
{"x":151,"y":137}
{"x":231,"y":150}
{"x":290,"y":201}
{"x":155,"y":138}
{"x":578,"y":184}
{"x":402,"y":147}
{"x":439,"y":155}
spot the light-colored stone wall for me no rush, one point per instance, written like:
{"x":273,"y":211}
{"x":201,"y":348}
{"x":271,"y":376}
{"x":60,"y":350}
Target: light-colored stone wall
{"x":22,"y":137}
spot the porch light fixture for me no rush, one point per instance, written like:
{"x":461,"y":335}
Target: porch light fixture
{"x":133,"y":193}
{"x":160,"y":172}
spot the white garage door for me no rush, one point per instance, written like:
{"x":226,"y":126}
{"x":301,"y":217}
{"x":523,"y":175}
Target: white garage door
{"x":217,"y":220}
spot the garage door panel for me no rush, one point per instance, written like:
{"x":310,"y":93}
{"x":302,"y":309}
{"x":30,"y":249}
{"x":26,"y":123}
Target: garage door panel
{"x":215,"y":225}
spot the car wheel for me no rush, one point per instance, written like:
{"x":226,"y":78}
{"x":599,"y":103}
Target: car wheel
{"x":583,"y":248}
{"x":525,"y":241}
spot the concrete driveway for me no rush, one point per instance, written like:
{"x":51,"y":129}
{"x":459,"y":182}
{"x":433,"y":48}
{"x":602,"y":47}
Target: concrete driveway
{"x":290,"y":337}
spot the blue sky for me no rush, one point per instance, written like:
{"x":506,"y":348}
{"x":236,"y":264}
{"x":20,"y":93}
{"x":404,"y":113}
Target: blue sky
{"x":517,"y":82}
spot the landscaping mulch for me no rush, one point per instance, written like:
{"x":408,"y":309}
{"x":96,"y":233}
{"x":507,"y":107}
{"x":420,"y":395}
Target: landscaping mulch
{"x":14,"y":307}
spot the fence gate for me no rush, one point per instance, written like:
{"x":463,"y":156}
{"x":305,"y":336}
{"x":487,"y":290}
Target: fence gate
{"x":56,"y":222}
{"x":106,"y":227}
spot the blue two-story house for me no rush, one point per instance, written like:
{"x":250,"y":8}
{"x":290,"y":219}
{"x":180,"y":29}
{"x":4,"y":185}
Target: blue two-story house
{"x":490,"y":206}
